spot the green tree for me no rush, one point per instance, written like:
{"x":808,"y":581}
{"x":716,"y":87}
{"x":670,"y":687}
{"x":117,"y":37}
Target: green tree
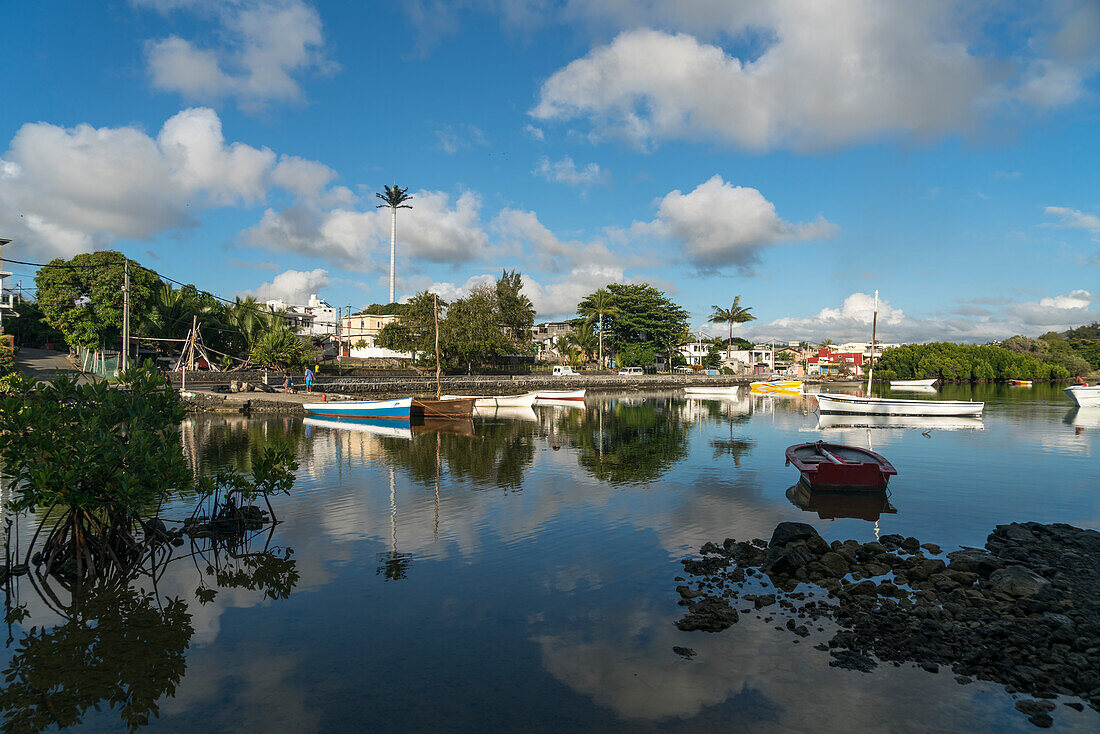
{"x":582,"y":339}
{"x":280,"y":347}
{"x":415,"y":330}
{"x":517,"y":313}
{"x":599,"y":305}
{"x":395,"y":198}
{"x":714,"y":356}
{"x":82,"y":297}
{"x":735,"y":314}
{"x":645,"y":315}
{"x":471,"y":333}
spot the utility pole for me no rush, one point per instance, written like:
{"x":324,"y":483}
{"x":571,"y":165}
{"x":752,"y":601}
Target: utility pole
{"x":125,"y":314}
{"x":435,"y":311}
{"x":339,"y":324}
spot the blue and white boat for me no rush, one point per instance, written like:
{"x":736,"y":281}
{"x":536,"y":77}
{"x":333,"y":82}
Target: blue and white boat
{"x":399,"y":409}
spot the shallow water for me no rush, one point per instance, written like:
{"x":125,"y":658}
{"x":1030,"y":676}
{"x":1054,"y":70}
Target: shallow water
{"x":521,"y":577}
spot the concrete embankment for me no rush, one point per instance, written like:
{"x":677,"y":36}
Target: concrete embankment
{"x":257,"y":399}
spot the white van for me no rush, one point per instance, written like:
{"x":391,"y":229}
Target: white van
{"x":561,"y":370}
{"x":632,"y":371}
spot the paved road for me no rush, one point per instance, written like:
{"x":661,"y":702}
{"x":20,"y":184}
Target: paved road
{"x":44,"y":364}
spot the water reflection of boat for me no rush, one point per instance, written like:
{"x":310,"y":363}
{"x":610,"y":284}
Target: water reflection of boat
{"x":570,"y":403}
{"x":924,"y":422}
{"x":712,"y":390}
{"x":1083,"y":418}
{"x":912,"y":388}
{"x":777,"y":386}
{"x":508,"y":413}
{"x":394,"y":429}
{"x":833,"y":505}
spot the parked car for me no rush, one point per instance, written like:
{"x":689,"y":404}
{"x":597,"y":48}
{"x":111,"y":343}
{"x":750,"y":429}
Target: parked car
{"x":562,"y":370}
{"x":631,"y":371}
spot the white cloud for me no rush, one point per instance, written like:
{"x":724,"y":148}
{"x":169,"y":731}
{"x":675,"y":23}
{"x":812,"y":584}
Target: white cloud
{"x":851,"y":321}
{"x":565,"y":171}
{"x":522,"y":232}
{"x":63,"y":191}
{"x":719,"y":224}
{"x":536,"y":133}
{"x":435,"y":229}
{"x":1074,"y":219}
{"x":825,"y":74}
{"x":291,"y":286}
{"x":266,"y":45}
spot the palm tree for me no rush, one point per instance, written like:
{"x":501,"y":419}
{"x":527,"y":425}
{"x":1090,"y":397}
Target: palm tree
{"x":582,"y":339}
{"x":734,"y":314}
{"x":395,"y":198}
{"x":598,"y":305}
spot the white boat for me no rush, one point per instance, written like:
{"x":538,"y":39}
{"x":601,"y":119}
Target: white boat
{"x":894,"y":384}
{"x":1084,"y":397}
{"x":712,"y":390}
{"x":921,"y":422}
{"x":777,"y":386}
{"x":854,"y":405}
{"x":526,"y":400}
{"x":557,"y":395}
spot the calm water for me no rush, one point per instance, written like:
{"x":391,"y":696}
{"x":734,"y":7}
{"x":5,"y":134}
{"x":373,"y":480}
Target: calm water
{"x":521,"y":577}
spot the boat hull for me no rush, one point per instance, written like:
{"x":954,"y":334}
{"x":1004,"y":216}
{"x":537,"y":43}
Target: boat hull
{"x":1019,"y":383}
{"x":853,"y":405}
{"x":526,"y":400}
{"x":1084,"y":397}
{"x":393,"y":410}
{"x":913,"y":383}
{"x":401,"y":409}
{"x":556,"y":395}
{"x":833,"y":466}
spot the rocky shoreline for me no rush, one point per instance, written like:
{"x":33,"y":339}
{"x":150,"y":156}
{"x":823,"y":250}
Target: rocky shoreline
{"x":1024,"y":612}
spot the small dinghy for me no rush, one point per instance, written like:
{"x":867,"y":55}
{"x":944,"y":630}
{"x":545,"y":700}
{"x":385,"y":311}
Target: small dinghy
{"x":836,"y":466}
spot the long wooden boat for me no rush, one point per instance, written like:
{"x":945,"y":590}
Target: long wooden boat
{"x":712,"y":390}
{"x":526,"y":400}
{"x":555,"y":395}
{"x":913,"y":383}
{"x":777,"y":386}
{"x":400,"y":409}
{"x":852,"y":404}
{"x":836,"y":466}
{"x":1084,"y":397}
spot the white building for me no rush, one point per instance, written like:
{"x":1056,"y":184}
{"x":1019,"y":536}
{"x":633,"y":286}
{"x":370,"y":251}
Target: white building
{"x":316,"y":318}
{"x":359,"y":334}
{"x":7,"y":302}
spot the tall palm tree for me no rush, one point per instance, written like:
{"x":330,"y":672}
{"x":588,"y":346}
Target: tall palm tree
{"x":395,"y":198}
{"x":582,"y":339}
{"x":734,"y":314}
{"x":598,"y":305}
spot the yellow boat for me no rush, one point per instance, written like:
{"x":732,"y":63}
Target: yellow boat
{"x":782,"y":386}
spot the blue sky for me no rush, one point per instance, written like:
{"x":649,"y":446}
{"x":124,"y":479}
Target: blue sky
{"x":800,"y":154}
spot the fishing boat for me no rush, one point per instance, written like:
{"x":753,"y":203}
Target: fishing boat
{"x":777,"y":386}
{"x":400,"y":409}
{"x":526,"y":400}
{"x":861,"y":505}
{"x":836,"y":466}
{"x":852,"y":404}
{"x":894,"y":384}
{"x":556,"y":395}
{"x":1018,"y":383}
{"x":712,"y":390}
{"x":1084,"y":397}
{"x":920,"y":422}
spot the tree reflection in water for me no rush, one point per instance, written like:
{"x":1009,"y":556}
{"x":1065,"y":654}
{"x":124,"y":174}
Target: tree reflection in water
{"x":123,"y":646}
{"x":622,"y":442}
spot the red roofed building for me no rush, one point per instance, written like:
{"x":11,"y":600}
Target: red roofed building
{"x":830,"y":362}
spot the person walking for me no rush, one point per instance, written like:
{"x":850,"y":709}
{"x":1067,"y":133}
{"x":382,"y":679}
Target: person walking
{"x":286,"y":381}
{"x":309,"y":380}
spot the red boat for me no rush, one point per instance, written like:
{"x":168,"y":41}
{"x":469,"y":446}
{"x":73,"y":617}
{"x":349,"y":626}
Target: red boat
{"x":836,"y":466}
